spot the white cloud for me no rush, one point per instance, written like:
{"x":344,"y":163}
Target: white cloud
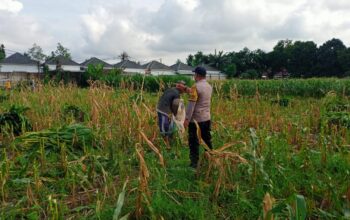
{"x":108,"y":32}
{"x":153,"y":29}
{"x":96,"y":23}
{"x":19,"y":32}
{"x":177,"y":27}
{"x":188,"y":4}
{"x":11,"y":6}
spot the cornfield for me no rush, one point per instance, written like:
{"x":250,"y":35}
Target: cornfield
{"x":106,"y":160}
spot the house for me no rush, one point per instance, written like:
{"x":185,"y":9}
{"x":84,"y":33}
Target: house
{"x":213,"y":73}
{"x":282,"y":74}
{"x":130,"y":67}
{"x":182,"y":69}
{"x":19,"y":63}
{"x":265,"y":75}
{"x":95,"y":61}
{"x":156,"y":68}
{"x":63,"y":63}
{"x":18,"y":67}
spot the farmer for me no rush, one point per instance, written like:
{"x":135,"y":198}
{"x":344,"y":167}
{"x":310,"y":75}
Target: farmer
{"x":167,"y":107}
{"x":198,"y":111}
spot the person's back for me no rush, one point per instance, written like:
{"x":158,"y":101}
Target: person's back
{"x":167,"y":108}
{"x":165,"y":101}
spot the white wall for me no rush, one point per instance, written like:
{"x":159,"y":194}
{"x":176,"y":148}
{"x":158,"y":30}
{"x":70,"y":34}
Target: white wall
{"x":65,"y":68}
{"x":9,"y":68}
{"x":185,"y":72}
{"x":162,"y":72}
{"x":215,"y":76}
{"x":15,"y":77}
{"x":51,"y":67}
{"x":213,"y":72}
{"x":130,"y":70}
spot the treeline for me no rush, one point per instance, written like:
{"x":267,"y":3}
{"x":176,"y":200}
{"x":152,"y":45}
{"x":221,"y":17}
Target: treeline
{"x":294,"y":58}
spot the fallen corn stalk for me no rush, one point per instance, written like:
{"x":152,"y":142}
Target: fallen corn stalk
{"x":154,"y":148}
{"x":221,"y":160}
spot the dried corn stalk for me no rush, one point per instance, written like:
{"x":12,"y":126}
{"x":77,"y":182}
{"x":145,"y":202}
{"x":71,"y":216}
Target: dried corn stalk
{"x":219,"y":159}
{"x":143,"y":182}
{"x":154,"y":148}
{"x":267,"y":204}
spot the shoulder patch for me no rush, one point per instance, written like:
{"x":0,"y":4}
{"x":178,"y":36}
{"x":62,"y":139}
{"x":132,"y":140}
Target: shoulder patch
{"x":193,"y":94}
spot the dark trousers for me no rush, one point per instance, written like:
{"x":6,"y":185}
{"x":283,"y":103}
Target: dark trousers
{"x":193,"y":141}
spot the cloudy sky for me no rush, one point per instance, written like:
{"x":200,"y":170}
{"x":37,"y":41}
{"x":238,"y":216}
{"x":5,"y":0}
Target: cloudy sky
{"x":167,"y":29}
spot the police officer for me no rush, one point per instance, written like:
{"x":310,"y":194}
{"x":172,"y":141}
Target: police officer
{"x":198,"y":110}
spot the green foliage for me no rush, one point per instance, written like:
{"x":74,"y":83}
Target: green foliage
{"x":148,"y":83}
{"x":14,"y":121}
{"x":74,"y":137}
{"x":73,"y":112}
{"x":60,"y":51}
{"x":94,"y":72}
{"x":120,"y":204}
{"x":231,"y":70}
{"x":336,"y":111}
{"x":284,"y":102}
{"x":250,"y":74}
{"x":344,"y":60}
{"x":58,"y":173}
{"x":2,"y":52}
{"x":328,"y":63}
{"x":293,"y":208}
{"x":299,"y":58}
{"x":4,"y":97}
{"x":291,"y":87}
{"x":36,"y":53}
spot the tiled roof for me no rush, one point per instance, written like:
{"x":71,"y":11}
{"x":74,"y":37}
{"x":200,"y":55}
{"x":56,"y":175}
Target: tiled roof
{"x":61,"y":60}
{"x":18,"y":58}
{"x":128,"y":64}
{"x":95,"y":61}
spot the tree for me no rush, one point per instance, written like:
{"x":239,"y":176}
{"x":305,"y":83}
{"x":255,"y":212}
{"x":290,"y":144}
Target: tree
{"x":2,"y":52}
{"x":61,"y":51}
{"x":327,"y":58}
{"x":247,"y":59}
{"x":189,"y":60}
{"x":36,"y":53}
{"x":217,"y":60}
{"x":280,"y":56}
{"x":94,"y":72}
{"x":231,"y":70}
{"x":200,"y":58}
{"x":124,"y":56}
{"x":302,"y":58}
{"x":344,"y":61}
{"x":299,"y":58}
{"x":178,"y":61}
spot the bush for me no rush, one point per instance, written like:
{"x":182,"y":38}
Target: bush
{"x":14,"y":120}
{"x":316,"y":87}
{"x":250,"y":74}
{"x":148,"y":83}
{"x":336,"y":111}
{"x":73,"y":112}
